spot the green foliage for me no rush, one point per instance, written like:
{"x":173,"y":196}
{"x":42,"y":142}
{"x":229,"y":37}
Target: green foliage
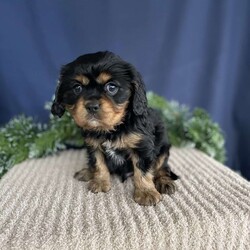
{"x":22,"y":138}
{"x":59,"y":132}
{"x":15,"y":140}
{"x":186,"y":128}
{"x":206,"y":135}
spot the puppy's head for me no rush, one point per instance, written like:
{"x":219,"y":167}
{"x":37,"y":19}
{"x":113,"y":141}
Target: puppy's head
{"x":98,"y":90}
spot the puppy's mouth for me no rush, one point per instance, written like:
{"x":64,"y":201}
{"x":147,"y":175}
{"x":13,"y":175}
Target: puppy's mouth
{"x":93,"y":120}
{"x":97,"y":122}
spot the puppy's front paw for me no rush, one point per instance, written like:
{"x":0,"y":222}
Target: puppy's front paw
{"x":97,"y":186}
{"x":147,"y":197}
{"x":165,"y":185}
{"x":84,"y":175}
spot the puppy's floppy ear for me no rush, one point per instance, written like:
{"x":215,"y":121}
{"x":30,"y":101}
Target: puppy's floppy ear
{"x":139,"y":95}
{"x":57,"y":107}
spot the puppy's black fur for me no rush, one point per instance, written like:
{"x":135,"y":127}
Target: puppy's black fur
{"x":137,"y":118}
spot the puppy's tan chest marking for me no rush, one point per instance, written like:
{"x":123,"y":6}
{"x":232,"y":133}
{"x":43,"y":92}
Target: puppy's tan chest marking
{"x":129,"y":141}
{"x":95,"y":143}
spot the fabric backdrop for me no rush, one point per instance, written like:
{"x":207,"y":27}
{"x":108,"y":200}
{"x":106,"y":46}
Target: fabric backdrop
{"x":195,"y":52}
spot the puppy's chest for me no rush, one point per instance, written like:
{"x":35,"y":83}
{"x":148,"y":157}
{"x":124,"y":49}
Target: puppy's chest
{"x":117,"y":156}
{"x":117,"y":149}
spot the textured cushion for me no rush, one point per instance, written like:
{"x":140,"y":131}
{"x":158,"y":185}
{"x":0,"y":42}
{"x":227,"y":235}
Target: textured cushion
{"x":42,"y":206}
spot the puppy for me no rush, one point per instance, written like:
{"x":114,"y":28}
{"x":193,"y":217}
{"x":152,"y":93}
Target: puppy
{"x":106,"y":97}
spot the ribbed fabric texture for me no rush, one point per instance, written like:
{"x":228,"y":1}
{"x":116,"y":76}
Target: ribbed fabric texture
{"x":43,"y":207}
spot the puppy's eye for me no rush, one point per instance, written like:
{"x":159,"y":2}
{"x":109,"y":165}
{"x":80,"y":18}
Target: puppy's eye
{"x":111,"y":88}
{"x":77,"y":89}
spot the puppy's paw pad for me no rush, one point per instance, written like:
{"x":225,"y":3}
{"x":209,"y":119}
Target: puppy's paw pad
{"x":147,"y":197}
{"x":83,"y":175}
{"x":99,"y":186}
{"x":165,"y":185}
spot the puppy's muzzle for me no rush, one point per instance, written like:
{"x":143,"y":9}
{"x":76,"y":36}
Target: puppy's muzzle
{"x":93,"y":106}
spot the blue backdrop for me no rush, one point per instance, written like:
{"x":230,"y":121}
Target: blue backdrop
{"x":196,"y":52}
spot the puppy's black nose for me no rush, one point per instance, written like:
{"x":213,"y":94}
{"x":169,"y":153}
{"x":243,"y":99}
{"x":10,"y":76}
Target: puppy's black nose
{"x":93,"y":107}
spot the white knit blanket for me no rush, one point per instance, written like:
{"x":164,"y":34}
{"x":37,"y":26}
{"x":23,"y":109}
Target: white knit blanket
{"x":43,"y":207}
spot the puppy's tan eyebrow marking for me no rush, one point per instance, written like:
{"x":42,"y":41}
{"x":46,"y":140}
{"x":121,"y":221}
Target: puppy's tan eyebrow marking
{"x":84,"y":80}
{"x":103,"y":77}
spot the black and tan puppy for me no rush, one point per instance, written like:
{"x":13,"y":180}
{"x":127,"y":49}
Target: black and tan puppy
{"x":106,"y":97}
